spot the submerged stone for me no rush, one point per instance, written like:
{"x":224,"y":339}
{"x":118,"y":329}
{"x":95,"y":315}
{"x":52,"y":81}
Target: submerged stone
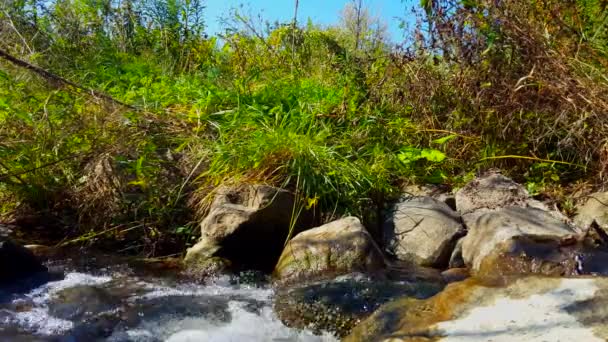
{"x":338,"y":305}
{"x":527,"y":309}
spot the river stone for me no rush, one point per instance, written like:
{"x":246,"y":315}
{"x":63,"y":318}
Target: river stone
{"x":423,"y":231}
{"x":528,"y":309}
{"x":17,"y":262}
{"x":246,"y":221}
{"x":82,"y":302}
{"x":336,"y":248}
{"x":490,"y":192}
{"x":338,"y":305}
{"x":519,"y":240}
{"x":595,"y":208}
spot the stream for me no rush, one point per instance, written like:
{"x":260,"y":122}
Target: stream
{"x":83,"y":301}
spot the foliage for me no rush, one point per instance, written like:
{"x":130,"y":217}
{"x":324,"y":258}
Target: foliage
{"x":334,"y":114}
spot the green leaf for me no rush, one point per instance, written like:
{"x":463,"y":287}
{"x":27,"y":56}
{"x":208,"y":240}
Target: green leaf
{"x":445,"y":139}
{"x":432,"y":155}
{"x":3,"y":75}
{"x":412,"y":154}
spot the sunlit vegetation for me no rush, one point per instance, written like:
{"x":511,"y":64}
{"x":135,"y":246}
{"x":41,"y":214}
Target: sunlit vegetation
{"x":140,"y":114}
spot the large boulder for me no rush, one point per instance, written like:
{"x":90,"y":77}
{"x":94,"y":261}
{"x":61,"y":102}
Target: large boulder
{"x":529,"y":309}
{"x":248,"y":226}
{"x":422,"y":230}
{"x":17,"y":261}
{"x":336,"y":248}
{"x":593,"y":209}
{"x":492,"y":191}
{"x":516,"y":240}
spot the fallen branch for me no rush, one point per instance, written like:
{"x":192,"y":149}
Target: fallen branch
{"x":49,"y":76}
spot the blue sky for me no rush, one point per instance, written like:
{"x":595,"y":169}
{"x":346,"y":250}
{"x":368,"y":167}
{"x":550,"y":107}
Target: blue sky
{"x":320,"y":11}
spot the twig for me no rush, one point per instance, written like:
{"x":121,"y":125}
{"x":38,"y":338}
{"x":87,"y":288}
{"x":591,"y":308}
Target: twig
{"x":535,"y":159}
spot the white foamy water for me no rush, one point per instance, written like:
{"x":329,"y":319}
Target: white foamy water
{"x":38,"y":320}
{"x":244,"y":325}
{"x":241,"y":321}
{"x":537,"y":318}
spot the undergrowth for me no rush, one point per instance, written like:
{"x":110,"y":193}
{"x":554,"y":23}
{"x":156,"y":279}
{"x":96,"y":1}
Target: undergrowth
{"x":343,"y":124}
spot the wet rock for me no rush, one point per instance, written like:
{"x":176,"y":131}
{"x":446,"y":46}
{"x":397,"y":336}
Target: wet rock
{"x":455,"y":274}
{"x":338,"y":305}
{"x":82,"y":302}
{"x":517,"y":240}
{"x":337,"y":248}
{"x":41,"y":251}
{"x":172,"y":307}
{"x":201,"y":262}
{"x":593,"y":209}
{"x":493,"y":191}
{"x":527,"y":309}
{"x":245,"y":221}
{"x":456,"y":260}
{"x":17,"y":262}
{"x":423,"y":231}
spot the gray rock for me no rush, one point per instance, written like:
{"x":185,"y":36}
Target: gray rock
{"x":422,"y":230}
{"x":246,"y":221}
{"x":490,"y":192}
{"x":595,"y":208}
{"x":82,"y":302}
{"x":336,"y":248}
{"x":438,"y":192}
{"x":533,"y":233}
{"x":527,"y":309}
{"x":17,"y":262}
{"x":456,"y":260}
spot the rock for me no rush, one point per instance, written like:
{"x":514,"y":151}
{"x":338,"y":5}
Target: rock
{"x":336,"y":248}
{"x":455,"y":274}
{"x":246,"y":221}
{"x":595,"y":208}
{"x":517,"y":240}
{"x":492,"y":191}
{"x":160,"y":309}
{"x":422,"y":230}
{"x":456,"y":260}
{"x":338,"y":305}
{"x":438,"y":192}
{"x":82,"y":302}
{"x":17,"y":262}
{"x":529,"y":309}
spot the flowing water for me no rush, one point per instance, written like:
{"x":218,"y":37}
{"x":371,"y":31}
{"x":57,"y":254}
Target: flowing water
{"x":117,"y":304}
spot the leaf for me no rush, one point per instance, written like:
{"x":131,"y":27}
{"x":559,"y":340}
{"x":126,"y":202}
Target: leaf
{"x":445,"y":139}
{"x":3,"y":75}
{"x":408,"y":155}
{"x":312,"y":202}
{"x":433,"y":155}
{"x":412,"y":154}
